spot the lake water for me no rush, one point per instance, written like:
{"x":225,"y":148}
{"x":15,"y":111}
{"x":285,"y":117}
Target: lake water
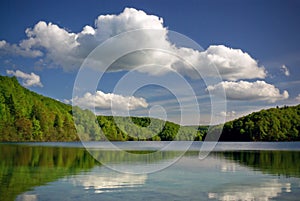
{"x":67,"y":171}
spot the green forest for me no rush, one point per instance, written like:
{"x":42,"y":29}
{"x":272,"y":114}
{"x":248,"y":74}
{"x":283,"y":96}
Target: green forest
{"x":275,"y":124}
{"x":28,"y":116}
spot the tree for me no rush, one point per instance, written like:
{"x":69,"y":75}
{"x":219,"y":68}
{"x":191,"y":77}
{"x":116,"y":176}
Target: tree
{"x":24,"y":128}
{"x":37,"y":133}
{"x":169,"y":131}
{"x":275,"y":124}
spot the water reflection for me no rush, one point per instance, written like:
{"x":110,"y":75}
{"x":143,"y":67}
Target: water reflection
{"x":23,"y":167}
{"x":135,"y":162}
{"x":110,"y":182}
{"x":261,"y":191}
{"x":31,"y":173}
{"x":27,"y":197}
{"x":285,"y":163}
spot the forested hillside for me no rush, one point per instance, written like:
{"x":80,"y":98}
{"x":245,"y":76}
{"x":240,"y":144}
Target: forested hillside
{"x":145,"y":128}
{"x":27,"y":116}
{"x":132,"y":128}
{"x":276,"y":124}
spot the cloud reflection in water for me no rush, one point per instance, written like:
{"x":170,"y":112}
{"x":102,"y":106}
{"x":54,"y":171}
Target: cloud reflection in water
{"x":111,"y":182}
{"x":261,"y":192}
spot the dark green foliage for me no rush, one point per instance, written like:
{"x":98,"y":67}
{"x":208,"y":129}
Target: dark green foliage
{"x":276,"y":124}
{"x":87,"y":125}
{"x":141,"y":121}
{"x":27,"y":116}
{"x":110,"y":128}
{"x":169,"y":131}
{"x":201,"y":133}
{"x":24,"y":167}
{"x":130,"y":128}
{"x":145,"y":128}
{"x":270,"y":162}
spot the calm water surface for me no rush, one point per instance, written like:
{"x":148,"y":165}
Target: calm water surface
{"x":66,"y":171}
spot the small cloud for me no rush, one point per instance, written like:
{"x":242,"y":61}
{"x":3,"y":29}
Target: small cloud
{"x":102,"y":100}
{"x":228,"y":114}
{"x":298,"y":98}
{"x":285,"y":70}
{"x":2,"y":43}
{"x":28,"y":79}
{"x":247,"y":91}
{"x":66,"y":101}
{"x":14,"y":49}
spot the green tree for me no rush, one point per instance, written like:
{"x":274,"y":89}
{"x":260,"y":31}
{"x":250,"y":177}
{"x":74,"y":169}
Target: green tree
{"x":37,"y":133}
{"x":169,"y":131}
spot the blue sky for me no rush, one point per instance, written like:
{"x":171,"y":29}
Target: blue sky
{"x":254,"y":45}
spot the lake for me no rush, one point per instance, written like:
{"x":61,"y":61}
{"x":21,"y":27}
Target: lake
{"x":105,"y":171}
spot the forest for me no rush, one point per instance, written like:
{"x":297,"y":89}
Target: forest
{"x":28,"y":116}
{"x":275,"y":124}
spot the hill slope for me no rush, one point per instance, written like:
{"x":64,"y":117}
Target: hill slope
{"x":28,"y":116}
{"x":276,"y":124}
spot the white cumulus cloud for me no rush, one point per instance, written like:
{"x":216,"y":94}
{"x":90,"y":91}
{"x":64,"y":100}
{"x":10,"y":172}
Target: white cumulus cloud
{"x":28,"y":79}
{"x":298,"y":98}
{"x":129,"y":19}
{"x":234,"y":64}
{"x":2,"y":43}
{"x":13,"y":49}
{"x":103,"y":100}
{"x":68,"y":50}
{"x":285,"y":70}
{"x":248,"y":91}
{"x":231,"y":114}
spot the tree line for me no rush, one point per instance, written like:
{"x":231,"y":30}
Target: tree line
{"x":275,"y":124}
{"x":28,"y":116}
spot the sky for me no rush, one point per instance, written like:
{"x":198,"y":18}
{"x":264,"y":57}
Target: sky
{"x":191,"y":62}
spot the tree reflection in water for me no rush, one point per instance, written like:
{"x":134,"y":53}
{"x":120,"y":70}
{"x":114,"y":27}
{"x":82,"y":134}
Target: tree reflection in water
{"x":24,"y":167}
{"x":285,"y":163}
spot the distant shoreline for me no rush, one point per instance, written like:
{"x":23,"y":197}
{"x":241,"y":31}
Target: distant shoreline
{"x":176,"y":145}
